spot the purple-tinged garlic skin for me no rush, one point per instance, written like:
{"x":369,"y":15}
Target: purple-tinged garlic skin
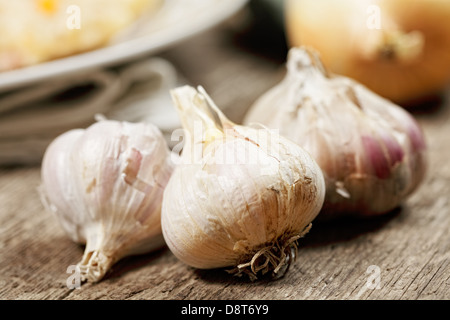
{"x":105,"y":186}
{"x":371,"y":151}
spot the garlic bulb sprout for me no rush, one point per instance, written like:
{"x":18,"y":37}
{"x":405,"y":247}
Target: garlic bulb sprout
{"x":240,"y":196}
{"x":397,"y":48}
{"x":371,"y":151}
{"x":105,"y":186}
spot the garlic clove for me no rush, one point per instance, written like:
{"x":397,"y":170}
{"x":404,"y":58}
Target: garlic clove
{"x":105,"y":186}
{"x":240,"y":196}
{"x":371,"y":151}
{"x":57,"y":156}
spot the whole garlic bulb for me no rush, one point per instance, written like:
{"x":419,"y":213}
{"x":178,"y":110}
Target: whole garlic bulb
{"x":241,"y":196}
{"x":371,"y":151}
{"x":105,"y":186}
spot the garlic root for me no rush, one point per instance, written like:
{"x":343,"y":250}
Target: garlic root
{"x":94,"y":265}
{"x":278,"y":256}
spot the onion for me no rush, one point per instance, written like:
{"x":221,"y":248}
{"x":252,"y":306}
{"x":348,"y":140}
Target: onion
{"x":399,"y":49}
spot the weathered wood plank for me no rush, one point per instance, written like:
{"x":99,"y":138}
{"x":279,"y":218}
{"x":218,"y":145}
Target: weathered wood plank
{"x":410,"y":248}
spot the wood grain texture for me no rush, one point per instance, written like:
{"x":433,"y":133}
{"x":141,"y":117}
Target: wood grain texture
{"x":410,"y":246}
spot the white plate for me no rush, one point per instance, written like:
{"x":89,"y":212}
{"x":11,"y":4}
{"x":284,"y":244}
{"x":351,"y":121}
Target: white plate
{"x":176,"y":21}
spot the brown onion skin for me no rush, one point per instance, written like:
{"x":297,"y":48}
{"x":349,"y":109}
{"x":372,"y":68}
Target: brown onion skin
{"x":340,"y":35}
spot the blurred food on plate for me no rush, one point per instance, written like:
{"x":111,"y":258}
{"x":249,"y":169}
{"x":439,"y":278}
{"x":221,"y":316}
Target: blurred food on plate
{"x":35,"y":31}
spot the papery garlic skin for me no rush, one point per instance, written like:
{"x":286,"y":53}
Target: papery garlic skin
{"x":248,"y":190}
{"x":371,"y":151}
{"x":105,"y":186}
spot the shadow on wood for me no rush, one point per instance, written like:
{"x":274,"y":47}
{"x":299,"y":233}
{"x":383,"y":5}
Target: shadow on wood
{"x":323,"y":233}
{"x":134,"y":263}
{"x":346,"y":228}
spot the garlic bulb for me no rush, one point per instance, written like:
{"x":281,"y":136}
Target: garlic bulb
{"x":397,"y":48}
{"x":105,"y":186}
{"x":240,"y":196}
{"x":371,"y":151}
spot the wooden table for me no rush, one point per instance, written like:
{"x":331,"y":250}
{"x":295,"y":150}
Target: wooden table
{"x":409,"y":249}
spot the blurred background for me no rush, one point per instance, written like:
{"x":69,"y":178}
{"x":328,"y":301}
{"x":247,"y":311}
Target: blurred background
{"x":68,"y":63}
{"x":65,"y":64}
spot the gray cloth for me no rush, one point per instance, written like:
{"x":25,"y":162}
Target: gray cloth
{"x":30,"y":118}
